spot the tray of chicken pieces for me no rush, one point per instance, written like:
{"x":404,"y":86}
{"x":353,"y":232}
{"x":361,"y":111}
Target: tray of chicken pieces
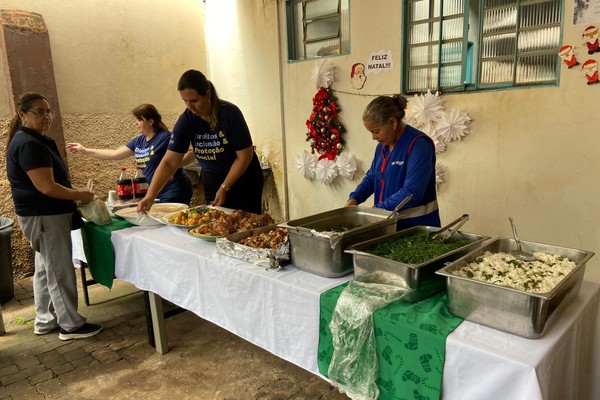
{"x":226,"y":224}
{"x":266,"y":245}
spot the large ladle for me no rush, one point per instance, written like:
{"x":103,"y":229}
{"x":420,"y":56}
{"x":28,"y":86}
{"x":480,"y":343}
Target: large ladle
{"x":519,"y":253}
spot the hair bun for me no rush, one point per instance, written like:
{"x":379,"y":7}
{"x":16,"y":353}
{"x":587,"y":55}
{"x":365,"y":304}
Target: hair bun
{"x":401,"y":101}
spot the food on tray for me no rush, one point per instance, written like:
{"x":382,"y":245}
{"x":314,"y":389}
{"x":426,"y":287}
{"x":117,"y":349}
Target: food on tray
{"x":539,"y":276}
{"x":343,"y":228}
{"x":157,"y":210}
{"x":416,"y":249}
{"x":195,"y":216}
{"x":266,"y":240}
{"x":237,"y":221}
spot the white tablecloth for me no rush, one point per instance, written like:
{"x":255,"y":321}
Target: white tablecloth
{"x":77,"y":245}
{"x":279,"y":311}
{"x":276,"y":310}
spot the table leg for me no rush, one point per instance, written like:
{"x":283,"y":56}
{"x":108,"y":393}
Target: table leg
{"x":149,"y":319}
{"x":86,"y":297}
{"x":158,"y":323}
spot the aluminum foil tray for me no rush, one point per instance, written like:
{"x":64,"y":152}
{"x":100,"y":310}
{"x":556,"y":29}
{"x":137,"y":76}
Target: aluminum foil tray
{"x":421,"y":278}
{"x":273,"y":258}
{"x":510,"y":310}
{"x":315,"y":249}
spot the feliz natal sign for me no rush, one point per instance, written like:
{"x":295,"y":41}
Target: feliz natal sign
{"x":379,"y":62}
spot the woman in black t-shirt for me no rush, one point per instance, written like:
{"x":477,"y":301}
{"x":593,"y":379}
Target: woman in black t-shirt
{"x":44,"y":204}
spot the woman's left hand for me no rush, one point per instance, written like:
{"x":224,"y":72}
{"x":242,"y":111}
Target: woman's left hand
{"x":220,"y":197}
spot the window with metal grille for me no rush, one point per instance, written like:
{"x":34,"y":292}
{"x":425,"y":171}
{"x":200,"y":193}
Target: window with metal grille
{"x":317,"y":28}
{"x":459,"y":45}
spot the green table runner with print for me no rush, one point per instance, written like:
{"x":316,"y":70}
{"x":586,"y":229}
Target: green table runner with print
{"x":99,"y":250}
{"x":410,"y":341}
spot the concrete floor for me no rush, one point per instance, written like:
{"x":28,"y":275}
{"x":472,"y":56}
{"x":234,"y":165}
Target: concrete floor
{"x":204,"y":361}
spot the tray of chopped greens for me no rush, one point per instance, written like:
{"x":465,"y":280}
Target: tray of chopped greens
{"x":491,"y":287}
{"x":410,"y":257}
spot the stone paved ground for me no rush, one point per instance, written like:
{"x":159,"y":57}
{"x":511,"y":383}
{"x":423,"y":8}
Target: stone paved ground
{"x":204,"y":361}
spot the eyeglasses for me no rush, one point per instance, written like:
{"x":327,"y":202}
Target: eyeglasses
{"x":43,"y":113}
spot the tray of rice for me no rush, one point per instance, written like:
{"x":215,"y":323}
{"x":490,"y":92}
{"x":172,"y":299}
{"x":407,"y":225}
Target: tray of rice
{"x":265,"y":245}
{"x":492,"y":287}
{"x":409,"y":258}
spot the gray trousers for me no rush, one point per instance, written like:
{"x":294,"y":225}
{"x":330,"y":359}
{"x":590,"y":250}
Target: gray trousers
{"x":54,"y":282}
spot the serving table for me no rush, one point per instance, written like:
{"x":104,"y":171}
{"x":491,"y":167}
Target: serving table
{"x":279,"y":311}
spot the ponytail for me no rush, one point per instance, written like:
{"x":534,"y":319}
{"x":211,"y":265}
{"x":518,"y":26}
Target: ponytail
{"x":24,"y":104}
{"x":193,"y":79}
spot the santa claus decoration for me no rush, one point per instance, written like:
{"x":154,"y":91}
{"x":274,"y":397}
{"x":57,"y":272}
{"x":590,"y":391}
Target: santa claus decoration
{"x":590,"y":35}
{"x":357,"y":76}
{"x":567,"y":54}
{"x":591,"y":71}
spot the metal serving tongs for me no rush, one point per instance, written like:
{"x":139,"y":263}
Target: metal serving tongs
{"x":399,"y":206}
{"x":458,"y":222}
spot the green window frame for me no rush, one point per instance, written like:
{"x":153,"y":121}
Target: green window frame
{"x":317,"y":28}
{"x":464,"y":45}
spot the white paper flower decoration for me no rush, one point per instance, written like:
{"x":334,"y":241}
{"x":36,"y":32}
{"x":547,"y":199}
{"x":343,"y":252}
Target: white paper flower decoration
{"x":439,"y":174}
{"x":431,"y":131}
{"x":307,"y":164}
{"x":453,"y":124}
{"x":322,"y":74}
{"x":426,"y":109}
{"x":440,"y":145}
{"x":326,"y":171}
{"x":346,"y":165}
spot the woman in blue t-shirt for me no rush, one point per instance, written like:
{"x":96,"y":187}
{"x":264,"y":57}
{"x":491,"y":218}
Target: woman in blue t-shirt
{"x":148,"y":150}
{"x":231,"y":173}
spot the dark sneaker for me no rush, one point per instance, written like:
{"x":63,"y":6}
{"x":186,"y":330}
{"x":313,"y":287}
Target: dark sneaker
{"x":87,"y":330}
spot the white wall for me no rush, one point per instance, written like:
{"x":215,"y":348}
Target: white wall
{"x":244,"y":66}
{"x":111,"y":55}
{"x":531,"y":153}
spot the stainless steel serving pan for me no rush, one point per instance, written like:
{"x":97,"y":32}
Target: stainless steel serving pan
{"x":230,"y":246}
{"x":510,"y":310}
{"x":321,"y":255}
{"x":419,"y":277}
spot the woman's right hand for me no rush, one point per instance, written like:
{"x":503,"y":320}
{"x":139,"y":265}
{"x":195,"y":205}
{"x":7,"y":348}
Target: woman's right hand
{"x":85,"y":195}
{"x":145,"y":204}
{"x":351,"y":202}
{"x":76,"y":148}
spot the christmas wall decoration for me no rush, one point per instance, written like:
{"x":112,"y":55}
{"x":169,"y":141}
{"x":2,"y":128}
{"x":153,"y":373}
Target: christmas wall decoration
{"x":324,"y":130}
{"x":325,"y":134}
{"x":426,"y":113}
{"x":590,"y":66}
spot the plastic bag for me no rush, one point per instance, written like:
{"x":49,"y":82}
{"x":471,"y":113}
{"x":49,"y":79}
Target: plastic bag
{"x":96,"y":212}
{"x":353,"y":367}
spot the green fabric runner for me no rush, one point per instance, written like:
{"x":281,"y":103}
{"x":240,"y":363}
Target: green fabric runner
{"x":410,"y":340}
{"x":99,"y":250}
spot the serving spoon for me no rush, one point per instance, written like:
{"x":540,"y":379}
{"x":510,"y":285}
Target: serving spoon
{"x":519,"y":253}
